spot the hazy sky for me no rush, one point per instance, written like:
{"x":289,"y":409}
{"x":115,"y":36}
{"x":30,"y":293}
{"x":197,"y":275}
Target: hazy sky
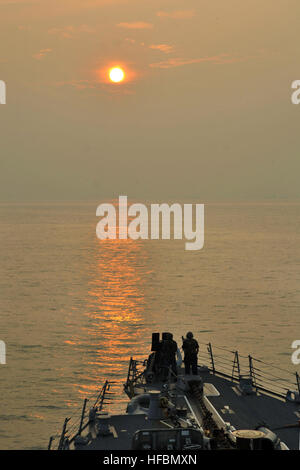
{"x":204,"y":113}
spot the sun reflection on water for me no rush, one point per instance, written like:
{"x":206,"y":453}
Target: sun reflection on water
{"x":116,"y":327}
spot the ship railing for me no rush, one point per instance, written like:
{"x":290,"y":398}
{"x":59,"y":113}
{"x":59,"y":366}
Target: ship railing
{"x":264,"y":376}
{"x":135,"y":373}
{"x":70,"y":432}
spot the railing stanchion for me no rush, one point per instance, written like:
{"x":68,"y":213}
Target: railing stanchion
{"x":50,"y":442}
{"x":129,"y":370}
{"x":298,"y":382}
{"x":251,"y":370}
{"x":82,"y":416}
{"x":211,"y":357}
{"x":236,"y":363}
{"x":63,"y":433}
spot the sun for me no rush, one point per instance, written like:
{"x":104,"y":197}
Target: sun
{"x":116,"y":74}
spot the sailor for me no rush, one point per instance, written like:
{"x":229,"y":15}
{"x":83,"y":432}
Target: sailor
{"x":168,"y":353}
{"x":191,"y":348}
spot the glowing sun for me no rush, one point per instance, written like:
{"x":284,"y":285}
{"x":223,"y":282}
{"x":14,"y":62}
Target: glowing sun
{"x":116,"y":74}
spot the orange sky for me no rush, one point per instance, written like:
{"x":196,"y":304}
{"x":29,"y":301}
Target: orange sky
{"x":204,"y":112}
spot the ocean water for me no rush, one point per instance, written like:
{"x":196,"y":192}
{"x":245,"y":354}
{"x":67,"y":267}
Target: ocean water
{"x":74,"y":308}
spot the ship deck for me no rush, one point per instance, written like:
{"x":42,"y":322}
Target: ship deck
{"x":122,"y":427}
{"x":228,"y":405}
{"x":249,"y":411}
{"x":226,"y":402}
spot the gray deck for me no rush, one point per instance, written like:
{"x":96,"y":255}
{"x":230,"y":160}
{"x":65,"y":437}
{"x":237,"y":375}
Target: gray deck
{"x":249,"y":411}
{"x":226,"y":402}
{"x":123,"y":427}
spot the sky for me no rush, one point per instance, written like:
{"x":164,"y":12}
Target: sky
{"x":204,"y":112}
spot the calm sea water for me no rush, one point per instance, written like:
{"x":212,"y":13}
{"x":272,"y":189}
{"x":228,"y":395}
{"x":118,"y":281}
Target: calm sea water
{"x":73,"y":308}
